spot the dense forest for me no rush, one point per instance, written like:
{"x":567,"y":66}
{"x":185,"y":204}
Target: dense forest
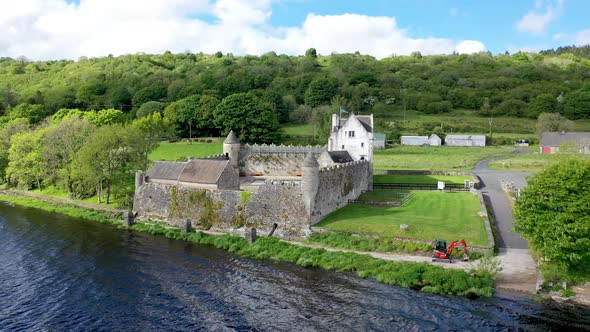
{"x":85,"y":126}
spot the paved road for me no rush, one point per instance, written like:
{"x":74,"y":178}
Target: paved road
{"x":501,"y":207}
{"x":519,"y":269}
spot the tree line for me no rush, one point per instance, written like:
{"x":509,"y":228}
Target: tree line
{"x":188,"y":87}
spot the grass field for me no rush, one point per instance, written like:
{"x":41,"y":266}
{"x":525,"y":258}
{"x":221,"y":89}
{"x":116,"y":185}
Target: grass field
{"x":180,"y":150}
{"x":429,"y":214}
{"x":429,"y":179}
{"x":298,"y":130}
{"x":383,"y":196}
{"x":526,"y":162}
{"x":435,"y":157}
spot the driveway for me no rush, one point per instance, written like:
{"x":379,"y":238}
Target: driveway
{"x":519,"y":269}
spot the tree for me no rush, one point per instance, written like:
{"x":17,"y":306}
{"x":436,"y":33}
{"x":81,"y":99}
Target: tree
{"x":34,"y":113}
{"x":150,"y":93}
{"x":577,"y":105}
{"x":554,"y":215}
{"x":61,"y":142}
{"x":320,"y":91}
{"x":553,"y":122}
{"x":543,"y":103}
{"x":193,"y":112}
{"x":252,"y":118}
{"x":149,"y":108}
{"x":6,"y":132}
{"x":104,"y":117}
{"x":311,"y":53}
{"x":25,"y":160}
{"x":105,"y":153}
{"x":145,"y":134}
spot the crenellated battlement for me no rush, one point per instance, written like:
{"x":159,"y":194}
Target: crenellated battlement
{"x":353,"y":164}
{"x":248,"y":150}
{"x":219,"y":156}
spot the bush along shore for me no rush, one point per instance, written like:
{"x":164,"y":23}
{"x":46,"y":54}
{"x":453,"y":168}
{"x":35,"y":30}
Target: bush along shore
{"x":417,"y":276}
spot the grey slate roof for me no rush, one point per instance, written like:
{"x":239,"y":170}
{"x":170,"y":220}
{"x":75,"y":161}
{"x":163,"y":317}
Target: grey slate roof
{"x":340,"y":156}
{"x":231,"y":138}
{"x":556,"y":138}
{"x":366,"y":122}
{"x":194,"y":171}
{"x":166,"y":170}
{"x":202,"y":171}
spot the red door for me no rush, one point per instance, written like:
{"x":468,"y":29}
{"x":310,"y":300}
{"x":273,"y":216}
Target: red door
{"x":546,"y":150}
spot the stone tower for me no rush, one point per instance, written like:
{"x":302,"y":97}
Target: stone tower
{"x":310,"y":183}
{"x":231,"y":148}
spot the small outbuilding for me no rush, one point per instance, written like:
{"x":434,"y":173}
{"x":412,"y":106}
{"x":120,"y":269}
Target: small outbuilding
{"x":414,"y":140}
{"x":550,"y":141}
{"x":465,"y":140}
{"x":434,"y":140}
{"x":330,"y":158}
{"x":378,"y":141}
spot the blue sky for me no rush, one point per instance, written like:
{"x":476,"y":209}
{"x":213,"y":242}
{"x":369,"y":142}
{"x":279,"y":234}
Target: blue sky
{"x":50,"y":29}
{"x":493,"y":22}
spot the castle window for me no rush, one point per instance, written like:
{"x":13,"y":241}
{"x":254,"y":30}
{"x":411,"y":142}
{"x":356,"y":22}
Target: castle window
{"x":351,"y":133}
{"x":362,"y":145}
{"x":343,"y":147}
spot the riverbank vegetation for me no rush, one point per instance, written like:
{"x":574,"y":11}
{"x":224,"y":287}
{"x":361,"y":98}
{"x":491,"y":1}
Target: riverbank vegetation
{"x":418,"y":276}
{"x":553,"y":214}
{"x":429,"y":215}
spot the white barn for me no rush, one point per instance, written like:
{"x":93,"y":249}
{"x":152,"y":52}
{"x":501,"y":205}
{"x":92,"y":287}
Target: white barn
{"x":465,"y":140}
{"x":414,"y":140}
{"x":354,"y":134}
{"x":434,"y":140}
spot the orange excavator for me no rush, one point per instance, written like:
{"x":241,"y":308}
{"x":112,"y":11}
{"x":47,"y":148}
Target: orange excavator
{"x":443,"y":254}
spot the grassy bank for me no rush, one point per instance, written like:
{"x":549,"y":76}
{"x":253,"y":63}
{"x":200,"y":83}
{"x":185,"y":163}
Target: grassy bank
{"x":435,"y":157}
{"x":66,"y":209}
{"x":375,"y":243}
{"x":427,"y":179}
{"x":418,"y":276}
{"x":429,"y":215}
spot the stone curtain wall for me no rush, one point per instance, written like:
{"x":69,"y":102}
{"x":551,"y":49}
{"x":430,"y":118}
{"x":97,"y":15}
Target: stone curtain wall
{"x":338,"y":184}
{"x":277,"y":202}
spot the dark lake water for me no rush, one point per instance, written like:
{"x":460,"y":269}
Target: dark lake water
{"x":63,"y":274}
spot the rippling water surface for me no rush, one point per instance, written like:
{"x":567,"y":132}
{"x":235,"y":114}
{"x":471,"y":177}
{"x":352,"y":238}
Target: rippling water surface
{"x":60,"y":273}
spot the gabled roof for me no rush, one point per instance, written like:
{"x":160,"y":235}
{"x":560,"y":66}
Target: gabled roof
{"x":203,"y":171}
{"x":340,"y":156}
{"x":166,"y":170}
{"x":193,"y":171}
{"x":465,"y":137}
{"x":556,"y":138}
{"x":433,"y":136}
{"x":366,"y":121}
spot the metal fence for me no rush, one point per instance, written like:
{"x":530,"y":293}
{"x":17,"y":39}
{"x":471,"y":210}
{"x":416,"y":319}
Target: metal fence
{"x":419,"y":186}
{"x":404,"y":199}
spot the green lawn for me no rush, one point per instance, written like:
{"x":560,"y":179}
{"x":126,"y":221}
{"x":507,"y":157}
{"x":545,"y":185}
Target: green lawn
{"x":526,"y":162}
{"x":435,"y":157}
{"x":430,"y":215}
{"x":298,"y":130}
{"x":180,"y":150}
{"x":429,"y":179}
{"x":383,"y":196}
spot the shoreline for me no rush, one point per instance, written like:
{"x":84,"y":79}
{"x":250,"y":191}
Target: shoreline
{"x":260,"y":249}
{"x":418,"y":276}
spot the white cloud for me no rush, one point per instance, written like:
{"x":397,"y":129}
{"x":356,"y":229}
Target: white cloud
{"x":50,"y":29}
{"x":580,"y":37}
{"x":537,"y":22}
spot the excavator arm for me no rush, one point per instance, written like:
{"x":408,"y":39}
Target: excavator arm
{"x":454,"y":244}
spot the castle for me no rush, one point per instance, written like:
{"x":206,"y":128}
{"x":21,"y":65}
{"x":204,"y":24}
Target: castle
{"x":287,"y":188}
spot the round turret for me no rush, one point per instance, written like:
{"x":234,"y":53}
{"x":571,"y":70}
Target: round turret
{"x":310,"y":182}
{"x":231,"y":148}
